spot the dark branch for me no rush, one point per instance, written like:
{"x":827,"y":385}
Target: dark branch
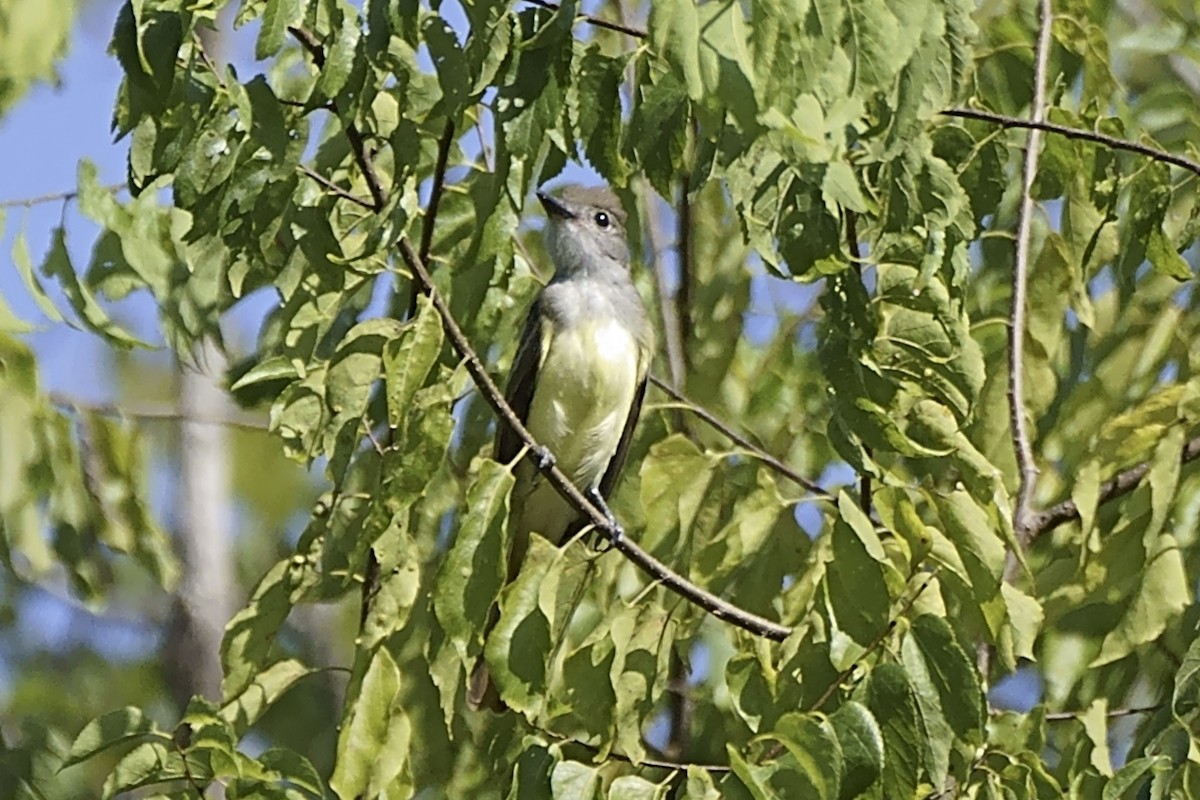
{"x":637,"y":33}
{"x":714,"y":605}
{"x":435,"y":192}
{"x":741,"y":441}
{"x":333,"y":187}
{"x":1076,"y":133}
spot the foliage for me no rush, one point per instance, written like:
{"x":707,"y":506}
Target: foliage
{"x":807,"y":139}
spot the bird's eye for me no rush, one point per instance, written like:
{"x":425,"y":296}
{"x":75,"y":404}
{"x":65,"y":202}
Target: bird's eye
{"x":602,"y":219}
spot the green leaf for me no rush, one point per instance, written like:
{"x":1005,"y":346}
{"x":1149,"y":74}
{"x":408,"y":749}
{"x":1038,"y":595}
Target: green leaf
{"x":409,"y":357}
{"x":893,"y":702}
{"x":150,"y":763}
{"x":675,"y":35}
{"x":473,"y":571}
{"x":263,"y":690}
{"x":518,"y":646}
{"x":858,"y":593}
{"x":1162,"y":596}
{"x":373,"y":743}
{"x":279,"y":14}
{"x":58,"y":265}
{"x":20,"y":259}
{"x":114,"y":728}
{"x":861,"y":741}
{"x":571,"y":780}
{"x":1186,"y":696}
{"x":1132,"y":774}
{"x":940,"y":668}
{"x":631,"y":787}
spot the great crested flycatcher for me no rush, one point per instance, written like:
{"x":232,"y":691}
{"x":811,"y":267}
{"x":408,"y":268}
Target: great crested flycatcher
{"x":579,"y":376}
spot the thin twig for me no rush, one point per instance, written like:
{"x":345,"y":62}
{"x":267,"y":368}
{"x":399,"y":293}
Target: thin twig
{"x":1059,"y":716}
{"x":1124,"y":483}
{"x":358,"y":146}
{"x":637,"y":33}
{"x":29,"y":202}
{"x":741,"y":441}
{"x":333,"y":187}
{"x":164,"y":413}
{"x":721,"y":609}
{"x":1016,"y":331}
{"x":1115,"y":143}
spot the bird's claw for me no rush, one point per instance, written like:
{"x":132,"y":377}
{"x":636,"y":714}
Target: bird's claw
{"x":615,"y":531}
{"x":545,"y":459}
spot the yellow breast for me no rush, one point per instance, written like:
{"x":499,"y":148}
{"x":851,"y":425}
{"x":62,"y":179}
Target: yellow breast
{"x":585,"y":388}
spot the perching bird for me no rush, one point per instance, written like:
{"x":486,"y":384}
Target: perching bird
{"x":579,"y":376}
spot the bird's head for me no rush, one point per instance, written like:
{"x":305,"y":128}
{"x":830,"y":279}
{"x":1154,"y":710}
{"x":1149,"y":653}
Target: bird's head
{"x":586,"y":231}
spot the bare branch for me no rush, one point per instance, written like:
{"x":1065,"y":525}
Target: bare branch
{"x":1016,"y":330}
{"x":741,"y":441}
{"x":683,"y":297}
{"x":1076,"y":133}
{"x":714,"y":605}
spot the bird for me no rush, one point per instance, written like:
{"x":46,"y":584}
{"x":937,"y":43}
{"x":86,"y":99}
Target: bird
{"x":577,"y":381}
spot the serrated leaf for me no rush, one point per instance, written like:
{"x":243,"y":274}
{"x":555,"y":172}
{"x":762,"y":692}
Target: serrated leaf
{"x":858,"y":593}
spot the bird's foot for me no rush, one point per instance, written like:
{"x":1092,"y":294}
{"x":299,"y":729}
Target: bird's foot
{"x":615,"y":531}
{"x":543,"y":458}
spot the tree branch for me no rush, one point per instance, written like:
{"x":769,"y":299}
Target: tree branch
{"x":1124,"y":483}
{"x":163,"y":413}
{"x":1022,"y":447}
{"x":435,"y":199}
{"x":333,"y":187}
{"x":714,"y":605}
{"x":1059,"y":716}
{"x":741,"y":441}
{"x":358,"y":146}
{"x":1115,"y":143}
{"x":29,"y":202}
{"x":637,"y":33}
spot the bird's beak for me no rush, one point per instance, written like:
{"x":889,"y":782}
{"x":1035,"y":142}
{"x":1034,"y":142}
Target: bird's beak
{"x":554,"y":207}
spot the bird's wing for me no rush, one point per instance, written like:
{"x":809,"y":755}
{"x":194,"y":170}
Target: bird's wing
{"x":609,"y":481}
{"x":522,"y":381}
